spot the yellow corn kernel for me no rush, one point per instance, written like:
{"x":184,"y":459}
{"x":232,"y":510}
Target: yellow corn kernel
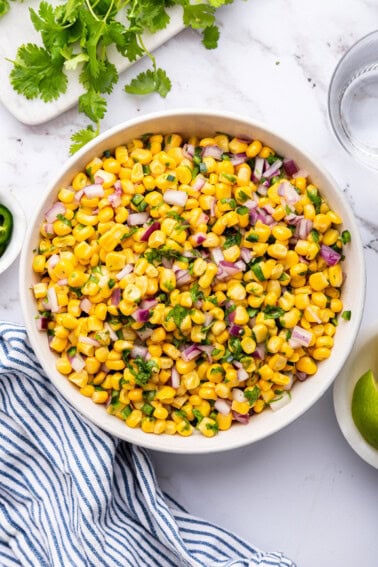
{"x":277,"y":362}
{"x":224,"y":421}
{"x":301,"y":183}
{"x":58,"y":344}
{"x":166,"y":393}
{"x":254,"y":149}
{"x":170,"y":427}
{"x":274,"y":344}
{"x":207,"y":278}
{"x":277,"y":251}
{"x":306,"y":364}
{"x":100,"y":396}
{"x":237,"y":292}
{"x":147,"y":424}
{"x":240,"y":407}
{"x":160,"y":412}
{"x":184,"y":428}
{"x":260,"y":332}
{"x":324,"y":341}
{"x":258,"y":406}
{"x":40,"y":290}
{"x":241,"y":315}
{"x":335,"y":275}
{"x":281,"y":232}
{"x":321,"y":222}
{"x":321,"y":353}
{"x":134,"y":418}
{"x":39,"y":263}
{"x":248,"y":345}
{"x":208,"y":427}
{"x":63,"y":366}
{"x":191,"y":380}
{"x":318,"y":281}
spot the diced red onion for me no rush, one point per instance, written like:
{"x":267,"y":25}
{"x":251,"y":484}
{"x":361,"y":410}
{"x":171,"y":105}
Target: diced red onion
{"x":207,"y":349}
{"x":223,"y":406}
{"x":329,"y":255}
{"x":290,"y":167}
{"x":183,"y":277}
{"x":175,"y":378}
{"x":141,"y":315}
{"x":116,"y":296}
{"x":62,"y":282}
{"x":241,"y":418}
{"x":138,"y":350}
{"x":259,"y":352}
{"x":148,"y":303}
{"x":203,"y":219}
{"x":199,"y":182}
{"x":301,"y":376}
{"x":242,"y":375}
{"x":231,"y":267}
{"x":273,"y":168}
{"x":42,"y":323}
{"x":235,"y":330}
{"x":259,"y":168}
{"x":78,"y":195}
{"x":212,"y":151}
{"x":52,"y":300}
{"x":85,"y":305}
{"x":115,"y":199}
{"x":52,"y":261}
{"x":57,"y":209}
{"x":48,"y":227}
{"x":217,"y":255}
{"x":190,"y":353}
{"x":281,"y":402}
{"x":212,"y":207}
{"x":262,"y":190}
{"x":136,"y":219}
{"x":238,"y":395}
{"x":240,"y":265}
{"x":245,"y":254}
{"x":154,"y":226}
{"x":126,"y":270}
{"x":144,"y":334}
{"x":175,"y":197}
{"x":289,"y":385}
{"x":199,"y":237}
{"x":287,"y":191}
{"x":301,"y":173}
{"x":303,"y":228}
{"x":88,"y":341}
{"x":112,"y":334}
{"x":300,"y":337}
{"x":77,"y":362}
{"x":93,"y":191}
{"x":188,"y":151}
{"x":237,"y":159}
{"x":231,"y":316}
{"x":250,"y":204}
{"x":293,"y":219}
{"x":208,"y":319}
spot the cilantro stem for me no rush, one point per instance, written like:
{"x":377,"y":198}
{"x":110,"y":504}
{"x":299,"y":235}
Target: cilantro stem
{"x":93,"y":13}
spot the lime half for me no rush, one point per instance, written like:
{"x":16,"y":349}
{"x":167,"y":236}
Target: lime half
{"x":365,"y":408}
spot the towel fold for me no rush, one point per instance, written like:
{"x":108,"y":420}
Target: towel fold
{"x":72,"y":495}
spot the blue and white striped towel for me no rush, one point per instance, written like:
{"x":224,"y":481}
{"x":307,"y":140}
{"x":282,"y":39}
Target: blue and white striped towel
{"x":73,"y":496}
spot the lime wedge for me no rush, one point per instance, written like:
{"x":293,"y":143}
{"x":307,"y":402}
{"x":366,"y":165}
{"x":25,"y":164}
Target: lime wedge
{"x":365,"y":408}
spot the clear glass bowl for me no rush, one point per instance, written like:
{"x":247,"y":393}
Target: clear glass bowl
{"x":353,"y":100}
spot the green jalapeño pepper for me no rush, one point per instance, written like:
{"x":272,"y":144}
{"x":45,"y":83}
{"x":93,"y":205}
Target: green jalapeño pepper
{"x":6,"y":227}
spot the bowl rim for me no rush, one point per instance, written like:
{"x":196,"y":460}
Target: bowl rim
{"x":158,"y":442}
{"x":8,"y":199}
{"x":342,"y":396}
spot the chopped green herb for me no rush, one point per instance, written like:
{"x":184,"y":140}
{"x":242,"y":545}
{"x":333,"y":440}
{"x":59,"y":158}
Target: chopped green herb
{"x":142,"y":370}
{"x":252,"y":395}
{"x":111,"y":283}
{"x":232,"y":239}
{"x":198,"y":415}
{"x":315,"y":198}
{"x":272,"y":312}
{"x":252,"y":237}
{"x":346,"y":315}
{"x":315,"y":235}
{"x":178,"y":314}
{"x":64,"y":220}
{"x":346,"y":237}
{"x":242,"y":196}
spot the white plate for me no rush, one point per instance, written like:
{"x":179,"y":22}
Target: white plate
{"x":16,"y":28}
{"x":363,"y":357}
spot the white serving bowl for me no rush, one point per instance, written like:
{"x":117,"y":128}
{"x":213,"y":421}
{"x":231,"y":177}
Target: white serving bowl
{"x":304,"y":395}
{"x":19,"y":227}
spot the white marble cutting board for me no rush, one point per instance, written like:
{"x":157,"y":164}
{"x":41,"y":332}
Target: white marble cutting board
{"x":16,"y":28}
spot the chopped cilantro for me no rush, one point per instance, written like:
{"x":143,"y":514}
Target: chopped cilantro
{"x":272,"y":312}
{"x":142,"y":370}
{"x":196,"y":293}
{"x":315,"y":235}
{"x":252,"y":395}
{"x":252,"y":237}
{"x":232,"y":239}
{"x":315,"y":198}
{"x":198,"y":415}
{"x":178,"y":314}
{"x":64,"y":220}
{"x":111,"y":283}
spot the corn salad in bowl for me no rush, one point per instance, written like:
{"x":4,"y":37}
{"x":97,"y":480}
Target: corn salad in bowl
{"x":188,"y":283}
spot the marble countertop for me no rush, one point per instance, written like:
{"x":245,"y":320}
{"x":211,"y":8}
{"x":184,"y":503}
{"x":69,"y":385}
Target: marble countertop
{"x":302,"y":491}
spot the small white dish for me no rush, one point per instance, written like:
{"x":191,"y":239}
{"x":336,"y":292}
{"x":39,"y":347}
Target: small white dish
{"x":19,"y":227}
{"x":363,"y":357}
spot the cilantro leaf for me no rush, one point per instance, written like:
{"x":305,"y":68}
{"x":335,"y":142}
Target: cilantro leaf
{"x":178,"y":314}
{"x":82,"y":137}
{"x":252,"y":395}
{"x":104,"y":81}
{"x":210,"y":37}
{"x":142,"y":370}
{"x":93,"y":105}
{"x":198,"y":16}
{"x":150,"y":81}
{"x":35,"y":74}
{"x":4,"y":7}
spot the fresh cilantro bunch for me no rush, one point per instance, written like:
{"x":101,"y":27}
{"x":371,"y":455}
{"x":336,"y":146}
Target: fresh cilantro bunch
{"x":78,"y":33}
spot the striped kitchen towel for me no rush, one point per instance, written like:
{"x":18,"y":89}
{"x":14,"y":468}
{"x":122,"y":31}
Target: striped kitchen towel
{"x":72,"y":495}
